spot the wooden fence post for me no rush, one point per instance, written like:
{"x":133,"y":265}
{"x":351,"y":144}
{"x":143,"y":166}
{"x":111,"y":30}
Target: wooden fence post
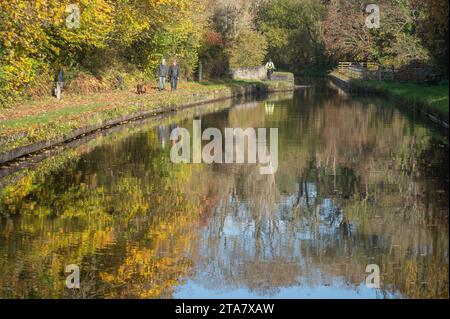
{"x":200,"y":71}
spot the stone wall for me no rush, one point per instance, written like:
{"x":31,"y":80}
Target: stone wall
{"x":259,"y":73}
{"x":251,"y":73}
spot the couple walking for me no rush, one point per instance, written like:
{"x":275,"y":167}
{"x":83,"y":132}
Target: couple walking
{"x":173,"y":74}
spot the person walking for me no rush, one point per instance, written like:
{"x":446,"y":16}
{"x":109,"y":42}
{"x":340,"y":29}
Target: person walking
{"x":162,"y":74}
{"x":59,"y":84}
{"x":270,"y":67}
{"x":174,"y":75}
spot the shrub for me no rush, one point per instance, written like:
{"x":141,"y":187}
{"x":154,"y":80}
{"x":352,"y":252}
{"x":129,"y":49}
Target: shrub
{"x":247,"y":49}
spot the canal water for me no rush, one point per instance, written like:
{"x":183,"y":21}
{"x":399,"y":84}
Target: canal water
{"x":360,"y":186}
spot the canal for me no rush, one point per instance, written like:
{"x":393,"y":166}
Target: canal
{"x":359,"y":182}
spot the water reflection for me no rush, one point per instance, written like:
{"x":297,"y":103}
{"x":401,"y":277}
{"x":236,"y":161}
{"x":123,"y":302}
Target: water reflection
{"x":358,"y":183}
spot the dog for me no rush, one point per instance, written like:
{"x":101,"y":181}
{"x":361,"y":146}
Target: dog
{"x":141,"y":89}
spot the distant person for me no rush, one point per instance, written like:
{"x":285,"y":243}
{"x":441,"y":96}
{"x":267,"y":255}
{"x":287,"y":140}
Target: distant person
{"x":174,"y":75}
{"x":59,"y":84}
{"x":270,"y":67}
{"x":162,"y":74}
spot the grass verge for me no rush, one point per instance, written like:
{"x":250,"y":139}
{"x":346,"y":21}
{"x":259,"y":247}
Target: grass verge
{"x":49,"y":119}
{"x":432,"y":97}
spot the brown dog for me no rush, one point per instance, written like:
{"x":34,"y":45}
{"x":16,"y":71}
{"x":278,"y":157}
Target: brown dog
{"x":141,"y":89}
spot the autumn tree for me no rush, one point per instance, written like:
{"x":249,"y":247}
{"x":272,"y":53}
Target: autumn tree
{"x":232,"y":39}
{"x":394,"y":43}
{"x":127,"y":35}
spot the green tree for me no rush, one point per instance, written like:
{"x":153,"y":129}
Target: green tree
{"x":247,"y":49}
{"x":292,"y":28}
{"x":432,"y":29}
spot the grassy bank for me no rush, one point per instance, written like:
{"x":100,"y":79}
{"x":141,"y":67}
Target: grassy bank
{"x":49,"y":119}
{"x":432,"y":97}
